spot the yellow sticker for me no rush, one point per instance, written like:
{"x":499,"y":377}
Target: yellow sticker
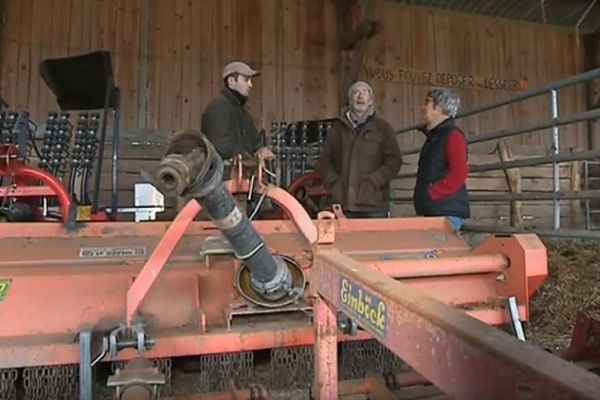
{"x":366,"y":307}
{"x":84,"y":213}
{"x":4,"y":286}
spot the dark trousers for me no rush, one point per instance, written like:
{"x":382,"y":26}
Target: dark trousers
{"x":365,"y":214}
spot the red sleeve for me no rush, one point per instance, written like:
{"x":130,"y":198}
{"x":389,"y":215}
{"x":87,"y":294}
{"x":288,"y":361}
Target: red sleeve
{"x":458,"y":168}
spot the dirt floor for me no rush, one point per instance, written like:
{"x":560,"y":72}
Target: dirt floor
{"x":573,"y":285}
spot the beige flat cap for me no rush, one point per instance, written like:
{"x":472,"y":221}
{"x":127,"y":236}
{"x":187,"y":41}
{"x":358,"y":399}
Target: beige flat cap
{"x":240,"y":68}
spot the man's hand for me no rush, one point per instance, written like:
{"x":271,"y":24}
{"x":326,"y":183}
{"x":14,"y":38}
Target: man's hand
{"x":264,"y":153}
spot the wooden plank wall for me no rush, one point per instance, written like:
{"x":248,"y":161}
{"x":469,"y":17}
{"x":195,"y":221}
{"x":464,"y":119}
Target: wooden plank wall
{"x":167,"y":57}
{"x":421,"y":40}
{"x":188,"y":42}
{"x":35,"y":30}
{"x":535,"y":214}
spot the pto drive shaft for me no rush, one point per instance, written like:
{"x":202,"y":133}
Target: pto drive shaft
{"x":193,"y":168}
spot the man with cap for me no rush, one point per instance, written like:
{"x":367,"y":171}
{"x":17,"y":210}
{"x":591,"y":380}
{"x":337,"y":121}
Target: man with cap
{"x":226,"y":122}
{"x":360,"y":157}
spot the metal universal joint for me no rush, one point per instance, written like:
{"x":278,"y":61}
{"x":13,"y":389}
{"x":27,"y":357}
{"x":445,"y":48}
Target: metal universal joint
{"x":193,"y":168}
{"x":175,"y":173}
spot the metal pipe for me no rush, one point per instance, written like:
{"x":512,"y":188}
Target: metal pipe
{"x":526,"y":162}
{"x":525,"y":196}
{"x":585,"y":14}
{"x":556,"y":165}
{"x":537,"y":196}
{"x":587,"y":201}
{"x":114,"y":198}
{"x":583,"y":116}
{"x":443,"y":266}
{"x":193,"y":168}
{"x":561,"y":233}
{"x":107,"y":98}
{"x":586,"y":76}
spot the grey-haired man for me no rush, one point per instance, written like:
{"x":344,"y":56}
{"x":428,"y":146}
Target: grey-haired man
{"x":226,"y":122}
{"x":360,"y":157}
{"x":443,"y":163}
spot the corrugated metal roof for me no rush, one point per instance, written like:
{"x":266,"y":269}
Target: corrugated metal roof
{"x":552,"y":12}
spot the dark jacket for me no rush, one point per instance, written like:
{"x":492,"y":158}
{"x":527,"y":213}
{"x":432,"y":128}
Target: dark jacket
{"x":433,"y":166}
{"x":229,"y":126}
{"x":357,"y":165}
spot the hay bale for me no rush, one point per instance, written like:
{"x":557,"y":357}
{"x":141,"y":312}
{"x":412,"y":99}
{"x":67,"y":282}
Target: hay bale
{"x":573,"y":285}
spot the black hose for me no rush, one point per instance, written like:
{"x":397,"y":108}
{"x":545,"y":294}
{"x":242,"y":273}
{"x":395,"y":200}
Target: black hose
{"x":199,"y":173}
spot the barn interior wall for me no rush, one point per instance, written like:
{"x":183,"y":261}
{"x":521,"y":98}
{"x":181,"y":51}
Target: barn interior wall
{"x":167,"y":58}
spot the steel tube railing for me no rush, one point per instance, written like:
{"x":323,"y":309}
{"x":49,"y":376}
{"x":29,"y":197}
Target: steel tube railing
{"x":572,"y":80}
{"x":554,"y":123}
{"x":560,"y":233}
{"x":555,"y":148}
{"x":560,"y":121}
{"x":532,"y":161}
{"x":526,"y":162}
{"x":527,"y":196}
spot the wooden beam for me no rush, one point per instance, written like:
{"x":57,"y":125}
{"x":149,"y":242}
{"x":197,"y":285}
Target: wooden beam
{"x":2,"y":27}
{"x":365,"y":30}
{"x":353,"y":42}
{"x":575,"y":186}
{"x":591,"y":45}
{"x":513,"y":180}
{"x":143,"y":67}
{"x":344,"y":25}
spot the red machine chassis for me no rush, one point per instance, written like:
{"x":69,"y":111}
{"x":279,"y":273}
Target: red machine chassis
{"x":104,"y":275}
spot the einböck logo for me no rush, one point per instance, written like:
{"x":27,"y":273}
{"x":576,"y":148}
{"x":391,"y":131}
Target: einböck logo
{"x":368,"y":309}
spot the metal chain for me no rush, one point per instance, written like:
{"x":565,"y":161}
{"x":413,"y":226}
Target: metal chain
{"x":165,"y":365}
{"x":357,"y":358}
{"x":8,"y":388}
{"x":217,"y":371}
{"x":292,"y":367}
{"x":51,"y":382}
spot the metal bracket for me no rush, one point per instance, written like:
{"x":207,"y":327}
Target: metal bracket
{"x":515,"y":319}
{"x":346,"y":324}
{"x":215,"y":245}
{"x":139,"y":379}
{"x":85,"y":365}
{"x":129,"y":337}
{"x":325,"y":228}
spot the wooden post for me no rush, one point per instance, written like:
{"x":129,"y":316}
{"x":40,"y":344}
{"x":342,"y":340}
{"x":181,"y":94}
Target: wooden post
{"x":143,"y":67}
{"x":513,"y":179}
{"x":591,"y":45}
{"x":353,"y":41}
{"x":575,"y":186}
{"x":2,"y":35}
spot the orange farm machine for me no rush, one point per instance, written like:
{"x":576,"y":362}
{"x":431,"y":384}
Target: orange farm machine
{"x":351,"y":306}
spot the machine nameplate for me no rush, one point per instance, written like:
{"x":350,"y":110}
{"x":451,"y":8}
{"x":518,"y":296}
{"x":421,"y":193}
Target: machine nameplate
{"x":4,"y":286}
{"x":124,"y":251}
{"x":367,"y":308}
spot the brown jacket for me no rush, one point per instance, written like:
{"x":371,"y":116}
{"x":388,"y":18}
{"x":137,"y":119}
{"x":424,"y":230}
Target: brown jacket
{"x":358,"y":167}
